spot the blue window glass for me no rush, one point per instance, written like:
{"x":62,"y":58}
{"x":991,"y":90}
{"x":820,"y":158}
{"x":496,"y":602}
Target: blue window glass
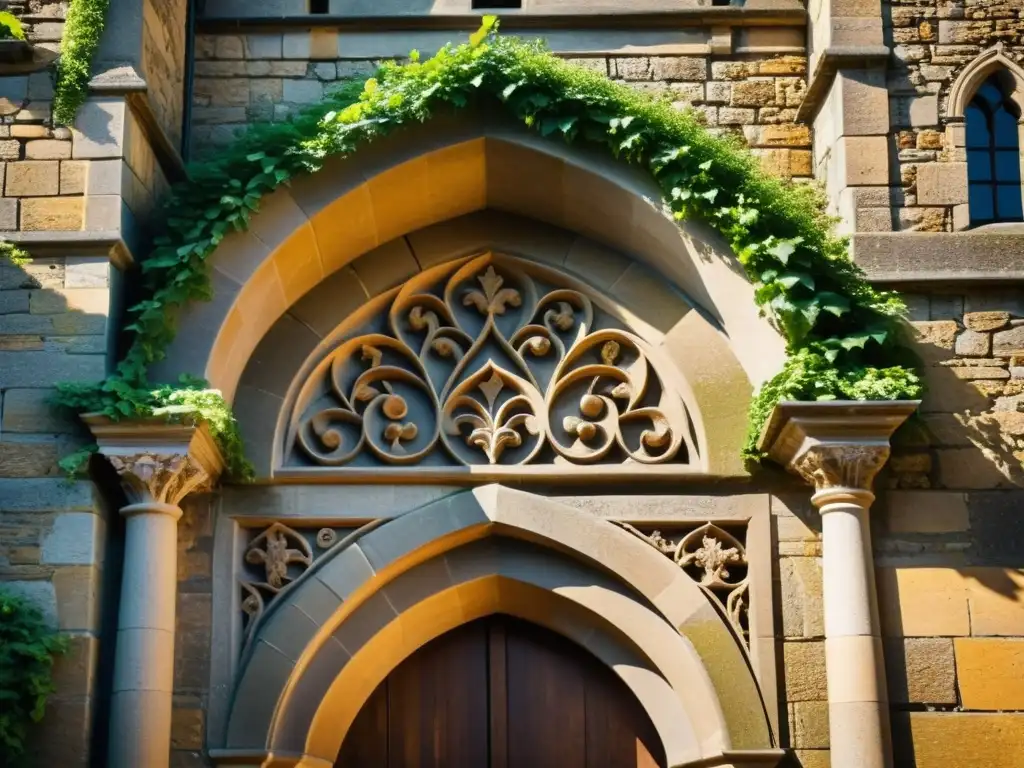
{"x":993,"y":155}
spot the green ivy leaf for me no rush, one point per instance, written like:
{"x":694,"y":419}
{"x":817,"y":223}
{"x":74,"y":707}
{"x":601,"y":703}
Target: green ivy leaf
{"x":834,"y":303}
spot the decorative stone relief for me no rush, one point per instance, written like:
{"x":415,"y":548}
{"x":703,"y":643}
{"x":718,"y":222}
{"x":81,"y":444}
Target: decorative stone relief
{"x":714,"y":558}
{"x":490,"y":362}
{"x":164,"y":479}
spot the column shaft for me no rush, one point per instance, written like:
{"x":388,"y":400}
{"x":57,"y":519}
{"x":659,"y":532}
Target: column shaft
{"x":140,"y":717}
{"x":858,"y":703}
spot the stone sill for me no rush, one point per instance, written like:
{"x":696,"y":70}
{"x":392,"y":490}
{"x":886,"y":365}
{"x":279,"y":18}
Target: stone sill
{"x":991,"y":254}
{"x":762,"y":13}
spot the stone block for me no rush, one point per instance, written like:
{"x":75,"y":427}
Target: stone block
{"x":804,"y":669}
{"x":77,"y":595}
{"x":802,"y":608}
{"x":29,"y":131}
{"x":935,"y":339}
{"x":973,"y":344}
{"x":810,"y":724}
{"x":73,"y":174}
{"x":994,"y":596}
{"x":28,"y":457}
{"x":94,"y":301}
{"x":1008,"y":342}
{"x":323,"y":43}
{"x":264,"y":46}
{"x":813,"y":758}
{"x":958,"y":740}
{"x":47,"y":149}
{"x":10,"y":149}
{"x":753,"y":93}
{"x":229,"y":47}
{"x":303,"y":91}
{"x":74,"y":672}
{"x":636,"y":68}
{"x":295,"y":45}
{"x":735,"y":116}
{"x":52,"y":214}
{"x":99,"y":129}
{"x":187,"y":728}
{"x":986,"y":321}
{"x":40,"y":593}
{"x":45,"y":495}
{"x":46,"y":369}
{"x":693,"y":68}
{"x":942,"y":183}
{"x":926,"y":512}
{"x":922,"y":602}
{"x":223,"y":92}
{"x":718,"y":93}
{"x":74,"y":539}
{"x":866,"y":160}
{"x":29,"y":411}
{"x":970,"y":468}
{"x":920,"y":670}
{"x":924,"y":111}
{"x":14,"y":301}
{"x":990,"y":673}
{"x":33,"y":178}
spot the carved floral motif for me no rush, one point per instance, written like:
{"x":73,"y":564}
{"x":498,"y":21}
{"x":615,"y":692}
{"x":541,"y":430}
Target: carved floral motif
{"x":841,"y":465}
{"x":706,"y":554}
{"x":283,"y":555}
{"x":482,"y":363}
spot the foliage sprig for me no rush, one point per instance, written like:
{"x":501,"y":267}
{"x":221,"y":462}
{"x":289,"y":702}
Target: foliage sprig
{"x":83,"y":29}
{"x":842,"y":334}
{"x":10,"y":27}
{"x":27,"y":651}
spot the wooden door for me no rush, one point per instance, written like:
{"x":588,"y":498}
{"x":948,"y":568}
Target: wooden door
{"x":500,"y":693}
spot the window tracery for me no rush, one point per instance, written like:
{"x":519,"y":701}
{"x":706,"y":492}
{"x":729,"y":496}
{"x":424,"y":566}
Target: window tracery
{"x":993,"y":154}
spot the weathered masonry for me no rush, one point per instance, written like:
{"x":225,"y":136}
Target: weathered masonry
{"x":496,"y":398}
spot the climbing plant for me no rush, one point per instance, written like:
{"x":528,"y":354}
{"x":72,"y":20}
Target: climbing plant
{"x":27,"y":651}
{"x":842,"y":334}
{"x":10,"y":27}
{"x":83,"y":29}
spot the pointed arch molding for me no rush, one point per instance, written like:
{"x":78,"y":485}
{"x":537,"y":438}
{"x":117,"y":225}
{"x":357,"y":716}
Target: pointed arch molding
{"x":977,"y":71}
{"x":490,"y":366}
{"x":324,"y":646}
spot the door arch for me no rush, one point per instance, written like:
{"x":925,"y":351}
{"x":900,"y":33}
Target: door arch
{"x":503,"y":693}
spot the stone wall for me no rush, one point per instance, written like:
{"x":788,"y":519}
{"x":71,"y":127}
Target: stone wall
{"x":932,"y":42}
{"x":242,"y":79}
{"x":54,"y":317}
{"x":163,"y":63}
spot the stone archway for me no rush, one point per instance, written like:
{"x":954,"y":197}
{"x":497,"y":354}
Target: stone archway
{"x":318,"y":655}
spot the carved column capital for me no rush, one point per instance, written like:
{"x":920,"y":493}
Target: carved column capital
{"x":838,"y":447}
{"x":159,"y":463}
{"x":160,"y":478}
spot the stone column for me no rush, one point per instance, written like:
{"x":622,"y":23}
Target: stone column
{"x":839,"y":448}
{"x":159,"y":465}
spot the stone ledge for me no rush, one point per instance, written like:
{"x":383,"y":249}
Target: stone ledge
{"x":940,"y":257}
{"x":765,"y":12}
{"x":80,"y":242}
{"x":830,"y":61}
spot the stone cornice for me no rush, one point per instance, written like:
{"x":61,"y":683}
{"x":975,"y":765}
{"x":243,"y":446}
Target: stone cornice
{"x":835,"y":445}
{"x":158,"y":462}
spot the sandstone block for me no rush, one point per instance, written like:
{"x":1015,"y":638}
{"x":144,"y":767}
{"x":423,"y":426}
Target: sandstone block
{"x":969,"y":468}
{"x":73,"y":673}
{"x":935,"y":339}
{"x":692,"y":68}
{"x":805,"y":671}
{"x":228,"y":47}
{"x":10,"y":149}
{"x":813,"y":758}
{"x":77,"y":592}
{"x":47,"y":149}
{"x":288,"y":68}
{"x":802,"y":608}
{"x":33,"y":178}
{"x":223,"y":92}
{"x":986,"y":321}
{"x":990,"y":673}
{"x":735,"y":116}
{"x":28,"y":458}
{"x":1008,"y":342}
{"x":920,"y":670}
{"x":264,"y":46}
{"x":753,"y":93}
{"x":29,"y":410}
{"x":8,"y":215}
{"x":52,"y":214}
{"x":633,"y":68}
{"x":922,"y":602}
{"x":867,"y":160}
{"x":72,"y":177}
{"x":926,"y":512}
{"x":303,"y":91}
{"x":45,"y":495}
{"x":187,"y":728}
{"x":940,"y":739}
{"x":810,"y":724}
{"x":942,"y":183}
{"x":993,"y":596}
{"x":220,"y":68}
{"x":718,"y":93}
{"x":91,"y":300}
{"x":30,"y":131}
{"x":973,"y":344}
{"x":924,"y":111}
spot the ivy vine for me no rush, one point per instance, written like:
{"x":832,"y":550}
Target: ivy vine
{"x":842,"y":335}
{"x":83,"y":29}
{"x":27,"y":651}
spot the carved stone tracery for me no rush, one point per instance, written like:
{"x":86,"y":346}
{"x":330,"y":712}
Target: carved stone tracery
{"x":715,"y":559}
{"x":282,"y":555}
{"x":484,"y":363}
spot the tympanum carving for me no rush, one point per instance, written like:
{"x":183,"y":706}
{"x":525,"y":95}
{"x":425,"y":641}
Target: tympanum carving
{"x":714,"y":558}
{"x":490,"y":362}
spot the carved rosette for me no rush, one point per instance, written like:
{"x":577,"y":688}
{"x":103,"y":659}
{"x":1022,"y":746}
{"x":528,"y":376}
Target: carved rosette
{"x":160,"y":478}
{"x":715,"y":559}
{"x":490,"y":361}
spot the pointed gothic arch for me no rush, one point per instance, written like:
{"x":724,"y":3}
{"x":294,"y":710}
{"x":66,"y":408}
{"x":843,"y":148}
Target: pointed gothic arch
{"x":977,"y":71}
{"x":317,"y":655}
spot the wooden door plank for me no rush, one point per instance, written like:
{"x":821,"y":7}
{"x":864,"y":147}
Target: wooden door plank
{"x":366,"y":743}
{"x":619,"y":733}
{"x":546,"y":724}
{"x":438,"y":703}
{"x":498,"y":692}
